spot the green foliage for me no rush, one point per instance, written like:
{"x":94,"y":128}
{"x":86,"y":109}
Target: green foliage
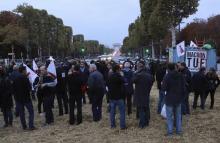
{"x":175,"y":10}
{"x":157,"y":18}
{"x":88,"y":47}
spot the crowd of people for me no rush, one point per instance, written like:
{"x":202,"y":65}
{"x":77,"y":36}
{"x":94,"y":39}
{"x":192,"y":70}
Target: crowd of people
{"x":126,"y":86}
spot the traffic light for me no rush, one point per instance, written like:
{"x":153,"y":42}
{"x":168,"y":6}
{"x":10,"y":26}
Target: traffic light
{"x":147,"y":51}
{"x":82,"y":50}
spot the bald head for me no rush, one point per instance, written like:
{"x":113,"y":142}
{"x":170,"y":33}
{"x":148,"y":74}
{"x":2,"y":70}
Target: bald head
{"x":92,"y":68}
{"x":15,"y":67}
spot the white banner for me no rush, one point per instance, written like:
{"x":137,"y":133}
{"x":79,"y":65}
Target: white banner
{"x":195,"y":60}
{"x":180,"y":49}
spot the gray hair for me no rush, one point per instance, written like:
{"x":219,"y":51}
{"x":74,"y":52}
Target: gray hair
{"x":93,"y":67}
{"x":15,"y":67}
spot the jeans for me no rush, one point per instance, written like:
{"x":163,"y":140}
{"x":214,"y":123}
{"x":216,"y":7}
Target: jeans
{"x":121,"y":106}
{"x":29,"y":107}
{"x":161,"y":101}
{"x":75,"y":102}
{"x":8,"y":116}
{"x":144,"y":116}
{"x":48,"y":105}
{"x":170,"y":118}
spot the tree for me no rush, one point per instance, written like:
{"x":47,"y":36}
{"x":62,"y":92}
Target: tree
{"x":12,"y":36}
{"x":203,"y":30}
{"x":47,"y":34}
{"x":174,"y":11}
{"x":157,"y":29}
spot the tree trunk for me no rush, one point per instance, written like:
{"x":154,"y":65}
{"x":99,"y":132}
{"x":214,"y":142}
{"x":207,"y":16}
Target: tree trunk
{"x":153,"y":50}
{"x":173,"y":34}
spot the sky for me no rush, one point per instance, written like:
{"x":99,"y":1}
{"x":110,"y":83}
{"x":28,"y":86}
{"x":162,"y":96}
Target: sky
{"x":104,"y":20}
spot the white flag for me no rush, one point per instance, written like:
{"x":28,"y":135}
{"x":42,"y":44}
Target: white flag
{"x":51,"y":58}
{"x":35,"y":68}
{"x":52,"y":70}
{"x":180,"y":48}
{"x":31,"y":75}
{"x":192,"y":44}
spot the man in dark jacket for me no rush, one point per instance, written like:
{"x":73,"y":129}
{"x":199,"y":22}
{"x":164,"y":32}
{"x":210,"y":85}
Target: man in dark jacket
{"x":129,"y":90}
{"x":13,"y":75}
{"x":6,"y":102}
{"x":96,"y":85}
{"x":46,"y":86}
{"x":22,"y":90}
{"x":213,"y":83}
{"x":61,"y":91}
{"x":187,"y":77}
{"x":116,"y":96}
{"x":200,"y":86}
{"x":143,"y":83}
{"x":75,"y":82}
{"x":161,"y":72}
{"x":174,"y":85}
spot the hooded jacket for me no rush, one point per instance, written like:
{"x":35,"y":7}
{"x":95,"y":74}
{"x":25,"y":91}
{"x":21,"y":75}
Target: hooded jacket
{"x":174,"y":85}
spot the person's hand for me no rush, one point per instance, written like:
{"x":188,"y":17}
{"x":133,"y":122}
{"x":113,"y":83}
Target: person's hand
{"x":43,"y":85}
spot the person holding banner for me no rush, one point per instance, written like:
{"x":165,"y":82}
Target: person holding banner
{"x":22,"y":89}
{"x":213,"y":83}
{"x":46,"y":87}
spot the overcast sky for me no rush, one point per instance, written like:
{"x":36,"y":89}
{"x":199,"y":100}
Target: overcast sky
{"x":103,"y":20}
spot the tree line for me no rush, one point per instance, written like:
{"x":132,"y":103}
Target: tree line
{"x":91,"y":48}
{"x":203,"y":30}
{"x":158,"y":19}
{"x":29,"y":32}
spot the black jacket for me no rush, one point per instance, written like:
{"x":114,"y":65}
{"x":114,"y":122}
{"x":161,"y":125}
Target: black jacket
{"x":75,"y":82}
{"x":143,"y":83}
{"x":161,"y":72}
{"x":174,"y":85}
{"x":84,"y":75}
{"x":61,"y":80}
{"x":188,"y":79}
{"x":128,"y":76}
{"x":213,"y":81}
{"x":199,"y":82}
{"x":22,"y":88}
{"x":46,"y":90}
{"x":5,"y":93}
{"x":116,"y":86}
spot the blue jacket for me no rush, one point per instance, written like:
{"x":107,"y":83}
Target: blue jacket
{"x":128,"y":75}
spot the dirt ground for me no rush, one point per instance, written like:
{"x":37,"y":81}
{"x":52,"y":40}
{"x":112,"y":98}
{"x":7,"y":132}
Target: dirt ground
{"x":200,"y":127}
